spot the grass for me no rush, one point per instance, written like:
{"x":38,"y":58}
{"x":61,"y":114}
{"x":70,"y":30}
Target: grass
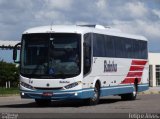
{"x":8,"y":91}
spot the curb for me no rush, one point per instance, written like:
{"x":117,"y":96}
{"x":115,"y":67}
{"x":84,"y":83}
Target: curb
{"x":7,"y":95}
{"x":149,"y":92}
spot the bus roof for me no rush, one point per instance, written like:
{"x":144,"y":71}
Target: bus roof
{"x":82,"y":29}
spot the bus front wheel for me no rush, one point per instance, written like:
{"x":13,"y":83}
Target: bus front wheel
{"x":95,"y":99}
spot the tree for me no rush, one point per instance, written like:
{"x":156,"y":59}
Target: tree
{"x":9,"y":72}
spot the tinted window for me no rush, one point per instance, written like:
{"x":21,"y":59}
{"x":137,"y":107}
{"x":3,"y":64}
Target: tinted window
{"x":99,"y":46}
{"x":109,"y":46}
{"x":87,"y":53}
{"x":113,"y":46}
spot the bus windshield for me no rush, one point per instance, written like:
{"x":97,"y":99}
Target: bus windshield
{"x":51,"y":55}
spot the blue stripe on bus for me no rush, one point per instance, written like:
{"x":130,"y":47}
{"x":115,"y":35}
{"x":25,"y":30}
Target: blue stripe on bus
{"x":116,"y":90}
{"x":143,"y":87}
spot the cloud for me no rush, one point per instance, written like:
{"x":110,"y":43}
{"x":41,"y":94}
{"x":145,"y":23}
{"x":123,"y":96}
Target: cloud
{"x":14,"y":12}
{"x":136,"y":9}
{"x":59,"y":4}
{"x":50,"y":16}
{"x":156,"y":12}
{"x":101,"y":4}
{"x":124,"y":10}
{"x":152,"y":30}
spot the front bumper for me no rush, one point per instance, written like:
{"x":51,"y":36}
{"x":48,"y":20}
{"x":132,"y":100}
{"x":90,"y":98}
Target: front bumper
{"x":58,"y":95}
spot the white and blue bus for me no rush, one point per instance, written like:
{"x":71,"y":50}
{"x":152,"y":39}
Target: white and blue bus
{"x":69,"y":62}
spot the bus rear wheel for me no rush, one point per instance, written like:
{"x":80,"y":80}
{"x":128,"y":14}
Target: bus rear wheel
{"x":130,"y":96}
{"x":43,"y":102}
{"x":95,"y":99}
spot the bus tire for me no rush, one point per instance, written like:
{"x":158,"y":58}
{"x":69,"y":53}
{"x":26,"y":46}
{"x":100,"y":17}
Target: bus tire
{"x":131,"y":96}
{"x":95,"y":99}
{"x":43,"y":102}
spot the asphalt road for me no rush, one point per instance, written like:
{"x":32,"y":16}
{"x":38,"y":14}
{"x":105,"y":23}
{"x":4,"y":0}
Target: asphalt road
{"x":112,"y":104}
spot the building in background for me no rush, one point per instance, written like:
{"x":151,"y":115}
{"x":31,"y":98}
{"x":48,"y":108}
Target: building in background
{"x":154,"y":69}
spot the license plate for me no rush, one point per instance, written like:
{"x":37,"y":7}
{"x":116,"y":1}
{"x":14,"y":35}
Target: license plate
{"x":47,"y":94}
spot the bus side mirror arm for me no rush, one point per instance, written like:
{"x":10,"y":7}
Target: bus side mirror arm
{"x":16,"y":47}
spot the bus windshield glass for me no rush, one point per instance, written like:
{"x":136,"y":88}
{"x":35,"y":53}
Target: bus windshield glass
{"x":51,"y":55}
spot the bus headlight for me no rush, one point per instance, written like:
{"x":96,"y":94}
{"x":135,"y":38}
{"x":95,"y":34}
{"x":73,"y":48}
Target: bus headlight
{"x":72,"y":85}
{"x":27,"y":85}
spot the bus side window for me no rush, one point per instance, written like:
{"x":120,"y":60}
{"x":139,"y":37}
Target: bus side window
{"x":87,"y":53}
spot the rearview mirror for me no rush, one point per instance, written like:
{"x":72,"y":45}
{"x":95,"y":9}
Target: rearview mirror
{"x":15,"y":50}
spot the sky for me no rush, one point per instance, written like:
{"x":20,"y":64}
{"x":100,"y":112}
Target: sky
{"x":141,"y":17}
